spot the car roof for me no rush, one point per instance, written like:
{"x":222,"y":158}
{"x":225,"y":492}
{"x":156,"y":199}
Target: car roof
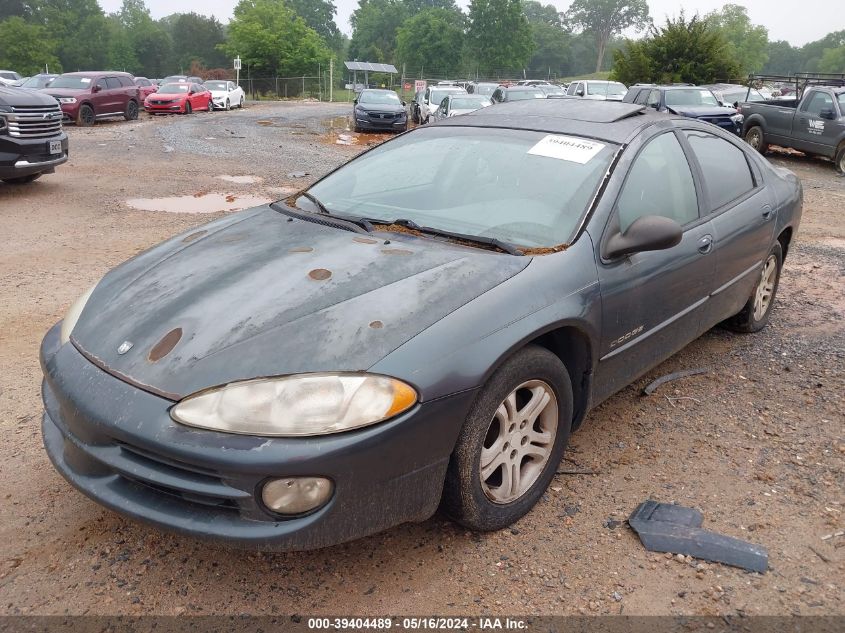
{"x":378,"y":90}
{"x":611,"y":121}
{"x":97,"y":73}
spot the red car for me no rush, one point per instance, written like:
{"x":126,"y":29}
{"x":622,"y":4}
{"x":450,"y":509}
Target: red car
{"x":182,"y":98}
{"x":145,"y":87}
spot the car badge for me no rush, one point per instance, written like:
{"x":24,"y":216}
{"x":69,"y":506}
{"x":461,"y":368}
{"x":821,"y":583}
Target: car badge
{"x":124,"y":347}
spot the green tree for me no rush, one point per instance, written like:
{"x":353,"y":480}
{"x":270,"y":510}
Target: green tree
{"x":499,"y":36}
{"x":272,"y":39}
{"x":319,"y":15}
{"x":747,"y":43}
{"x":812,"y":52}
{"x":432,"y":39}
{"x":26,"y":47}
{"x":80,"y":30}
{"x":833,"y":60}
{"x":538,"y":13}
{"x":121,"y":47}
{"x":415,"y":6}
{"x":680,"y":51}
{"x":604,"y":19}
{"x":783,"y":58}
{"x":16,"y":8}
{"x":551,"y":43}
{"x":195,"y":37}
{"x":374,"y":26}
{"x":150,"y":44}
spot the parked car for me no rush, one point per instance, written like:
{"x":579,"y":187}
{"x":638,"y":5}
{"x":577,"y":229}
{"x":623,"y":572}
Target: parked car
{"x":37,"y":82}
{"x":176,"y":79}
{"x":145,"y":87}
{"x":432,"y":98}
{"x":485,"y":88}
{"x":32,"y":142}
{"x":531,"y":272}
{"x":551,"y":90}
{"x":597,"y":90}
{"x":689,"y":101}
{"x":379,"y":110}
{"x":734,"y":94}
{"x":454,"y":105}
{"x":86,"y":97}
{"x":225,"y":95}
{"x":9,"y":77}
{"x":504,"y":94}
{"x":815,"y":124}
{"x":533,"y":82}
{"x":179,"y":98}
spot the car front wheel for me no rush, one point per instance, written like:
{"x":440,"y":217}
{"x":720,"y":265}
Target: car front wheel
{"x":512,"y":442}
{"x":86,"y":116}
{"x":840,"y":161}
{"x":755,"y":314}
{"x":188,"y":108}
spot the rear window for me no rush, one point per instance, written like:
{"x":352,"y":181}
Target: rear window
{"x":727,"y":175}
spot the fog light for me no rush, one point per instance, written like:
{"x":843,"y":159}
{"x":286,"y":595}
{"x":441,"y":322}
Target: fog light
{"x":296,"y":495}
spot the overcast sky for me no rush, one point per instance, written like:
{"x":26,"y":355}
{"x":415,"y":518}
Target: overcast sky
{"x":798,"y":24}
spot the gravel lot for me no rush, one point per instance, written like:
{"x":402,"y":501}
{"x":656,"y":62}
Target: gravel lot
{"x":757,"y":443}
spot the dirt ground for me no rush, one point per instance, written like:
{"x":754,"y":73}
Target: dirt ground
{"x":756,"y":444}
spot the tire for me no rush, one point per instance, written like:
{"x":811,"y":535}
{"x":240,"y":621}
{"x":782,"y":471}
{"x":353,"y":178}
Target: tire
{"x":23,"y":180}
{"x":756,"y":312}
{"x":484,"y":498}
{"x":755,"y":137}
{"x":188,"y":108}
{"x":840,"y":161}
{"x":85,"y":117}
{"x":241,"y":106}
{"x":131,"y":113}
{"x":415,"y":115}
{"x":210,"y":107}
{"x":228,"y":105}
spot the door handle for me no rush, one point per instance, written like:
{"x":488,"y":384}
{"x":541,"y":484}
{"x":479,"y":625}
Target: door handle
{"x":767,"y":213}
{"x":705,"y":244}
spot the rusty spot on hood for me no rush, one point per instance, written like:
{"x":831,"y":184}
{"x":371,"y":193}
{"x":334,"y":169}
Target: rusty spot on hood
{"x":320,"y":274}
{"x":165,"y":345}
{"x":544,"y":250}
{"x":230,"y":198}
{"x":193,"y":236}
{"x":301,"y":249}
{"x":364,"y":240}
{"x":396,"y":251}
{"x":376,"y":325}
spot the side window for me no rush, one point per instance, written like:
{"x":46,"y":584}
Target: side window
{"x":230,"y":86}
{"x":659,"y":183}
{"x":101,"y":83}
{"x":642,"y":97}
{"x":113,"y":82}
{"x":571,"y":89}
{"x":654,"y":99}
{"x":727,"y":175}
{"x":427,"y":93}
{"x":126,"y":82}
{"x":818,"y":101}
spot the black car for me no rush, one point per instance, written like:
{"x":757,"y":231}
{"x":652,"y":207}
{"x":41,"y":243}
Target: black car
{"x":396,"y":339}
{"x":379,"y":110}
{"x":685,"y":100}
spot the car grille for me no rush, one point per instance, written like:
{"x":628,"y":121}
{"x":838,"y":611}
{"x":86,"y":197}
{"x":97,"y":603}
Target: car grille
{"x":160,"y":102}
{"x":385,"y":116}
{"x":35,"y":121}
{"x":721,"y":121}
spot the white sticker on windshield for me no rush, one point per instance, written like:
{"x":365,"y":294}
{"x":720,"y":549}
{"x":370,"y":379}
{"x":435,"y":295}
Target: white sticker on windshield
{"x":85,"y":80}
{"x":571,"y":148}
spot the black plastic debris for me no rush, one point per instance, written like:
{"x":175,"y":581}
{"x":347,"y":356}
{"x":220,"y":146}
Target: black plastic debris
{"x":664,"y":527}
{"x":652,"y":386}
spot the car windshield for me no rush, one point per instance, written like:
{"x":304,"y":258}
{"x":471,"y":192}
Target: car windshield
{"x":174,"y":79}
{"x":485,"y":89}
{"x":690,"y":97}
{"x":215,"y":85}
{"x":437,"y":96}
{"x":742,"y":95}
{"x":38,"y":81}
{"x":174,"y":89}
{"x":522,"y":187}
{"x":379,"y":97}
{"x":613,"y":88}
{"x":469,"y":103}
{"x":72,"y":82}
{"x":519,"y":95}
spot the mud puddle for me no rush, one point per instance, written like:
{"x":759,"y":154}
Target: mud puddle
{"x":198,"y":203}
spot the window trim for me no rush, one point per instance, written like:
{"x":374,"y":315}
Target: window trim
{"x":692,"y":158}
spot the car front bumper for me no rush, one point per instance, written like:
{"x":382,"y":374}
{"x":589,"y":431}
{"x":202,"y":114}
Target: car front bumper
{"x":118,"y":445}
{"x":368,"y":123}
{"x":167,"y":107}
{"x":20,"y":157}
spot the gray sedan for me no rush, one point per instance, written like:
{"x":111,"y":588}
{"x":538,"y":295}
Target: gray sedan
{"x":394,"y":340}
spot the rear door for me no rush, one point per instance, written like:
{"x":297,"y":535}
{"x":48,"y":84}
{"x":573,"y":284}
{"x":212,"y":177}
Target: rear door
{"x":117,"y":96}
{"x":742,"y":216}
{"x":652,"y":302}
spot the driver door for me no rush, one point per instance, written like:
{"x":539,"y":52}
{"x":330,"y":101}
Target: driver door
{"x":652,"y":302}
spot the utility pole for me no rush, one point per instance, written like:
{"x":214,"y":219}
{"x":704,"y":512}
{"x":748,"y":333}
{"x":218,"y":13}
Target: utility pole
{"x":331,"y":79}
{"x":320,"y":80}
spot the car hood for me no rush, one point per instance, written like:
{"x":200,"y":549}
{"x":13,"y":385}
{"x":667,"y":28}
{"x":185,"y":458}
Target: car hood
{"x":64,"y":92}
{"x":23,"y":97}
{"x":261,"y":294}
{"x":380,"y":107}
{"x":697,"y":111}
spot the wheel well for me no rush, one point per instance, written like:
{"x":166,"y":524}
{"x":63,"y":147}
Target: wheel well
{"x":572,"y":347}
{"x":785,"y":238}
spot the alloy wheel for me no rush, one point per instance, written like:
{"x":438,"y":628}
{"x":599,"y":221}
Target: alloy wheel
{"x":765,"y":288}
{"x":519,"y":442}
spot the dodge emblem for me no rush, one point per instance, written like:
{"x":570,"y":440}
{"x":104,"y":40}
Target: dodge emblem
{"x":124,"y":347}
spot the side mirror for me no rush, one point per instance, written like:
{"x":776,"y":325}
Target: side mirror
{"x":580,"y":92}
{"x":646,"y":233}
{"x":828,"y":113}
{"x":355,"y":102}
{"x":404,"y":104}
{"x":191,"y":92}
{"x":96,"y":88}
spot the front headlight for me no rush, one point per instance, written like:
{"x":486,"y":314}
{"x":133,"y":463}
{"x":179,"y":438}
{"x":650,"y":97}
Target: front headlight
{"x":737,"y":118}
{"x":72,"y":315}
{"x":67,"y":99}
{"x":296,"y":406}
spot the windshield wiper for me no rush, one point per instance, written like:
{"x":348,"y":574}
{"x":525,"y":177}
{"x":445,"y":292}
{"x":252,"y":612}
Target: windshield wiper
{"x":364,"y":223}
{"x":490,"y":241}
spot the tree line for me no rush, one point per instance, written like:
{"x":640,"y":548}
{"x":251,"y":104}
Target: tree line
{"x":429,"y":38}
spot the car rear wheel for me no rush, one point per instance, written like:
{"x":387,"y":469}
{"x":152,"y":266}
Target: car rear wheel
{"x":512,"y":442}
{"x":755,"y":137}
{"x":228,"y":105}
{"x":242,"y":103}
{"x":840,"y":161}
{"x":131,"y":111}
{"x":22,"y":180}
{"x":188,"y":108}
{"x":755,"y":313}
{"x":86,"y":116}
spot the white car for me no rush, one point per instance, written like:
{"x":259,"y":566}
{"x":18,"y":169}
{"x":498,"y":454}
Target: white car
{"x":9,"y":78}
{"x":225,"y":95}
{"x":457,"y":104}
{"x":432,"y":99}
{"x":597,"y":90}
